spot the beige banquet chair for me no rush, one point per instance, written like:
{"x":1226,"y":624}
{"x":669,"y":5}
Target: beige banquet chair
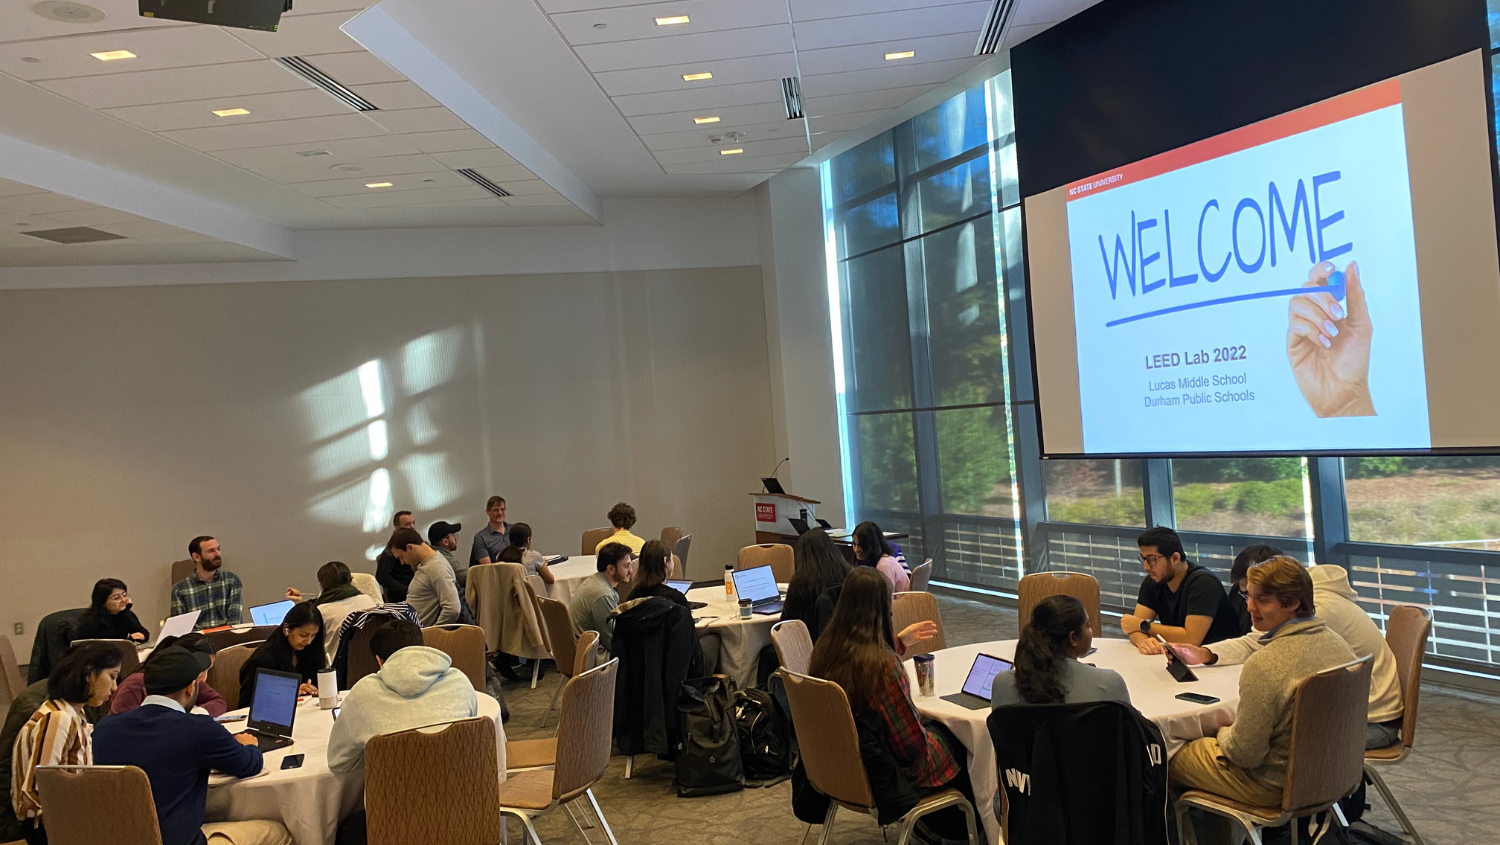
{"x":182,"y":569}
{"x":908,"y":608}
{"x":1325,"y":762}
{"x":11,"y":684}
{"x":778,"y":556}
{"x":1040,"y":585}
{"x":85,"y":805}
{"x":505,"y":608}
{"x":593,"y":537}
{"x":537,"y":753}
{"x":1406,"y":632}
{"x":920,"y":576}
{"x":569,"y":652}
{"x":680,"y":551}
{"x":829,"y":745}
{"x":464,"y":644}
{"x":670,"y":535}
{"x":224,"y":675}
{"x":437,"y":784}
{"x":794,"y":645}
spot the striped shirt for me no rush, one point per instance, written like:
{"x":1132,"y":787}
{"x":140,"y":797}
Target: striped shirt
{"x":218,"y":601}
{"x":56,"y":735}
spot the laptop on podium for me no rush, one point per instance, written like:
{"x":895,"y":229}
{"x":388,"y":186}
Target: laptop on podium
{"x":274,"y":708}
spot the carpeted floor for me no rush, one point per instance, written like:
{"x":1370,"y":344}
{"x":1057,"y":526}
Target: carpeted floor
{"x":1450,"y":786}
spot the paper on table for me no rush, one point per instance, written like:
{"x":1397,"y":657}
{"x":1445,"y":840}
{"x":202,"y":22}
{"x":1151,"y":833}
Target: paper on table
{"x":178,"y":625}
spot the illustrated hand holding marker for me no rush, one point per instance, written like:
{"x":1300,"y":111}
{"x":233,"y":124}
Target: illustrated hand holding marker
{"x":1328,"y":342}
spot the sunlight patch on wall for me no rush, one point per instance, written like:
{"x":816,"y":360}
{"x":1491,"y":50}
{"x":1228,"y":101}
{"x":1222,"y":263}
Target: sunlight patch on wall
{"x":432,"y":485}
{"x":430,"y":360}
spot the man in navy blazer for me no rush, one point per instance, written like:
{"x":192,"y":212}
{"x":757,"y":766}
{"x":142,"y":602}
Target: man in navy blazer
{"x":177,"y":749}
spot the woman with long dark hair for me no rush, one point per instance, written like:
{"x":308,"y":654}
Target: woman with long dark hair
{"x":651,"y":576}
{"x":871,"y":548}
{"x":1047,"y":669}
{"x":820,"y":568}
{"x":109,"y":616}
{"x":520,"y":551}
{"x":295,"y":646}
{"x":859,"y":652}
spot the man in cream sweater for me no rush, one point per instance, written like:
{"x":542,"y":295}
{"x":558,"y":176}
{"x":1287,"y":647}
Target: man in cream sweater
{"x":1247,"y":761}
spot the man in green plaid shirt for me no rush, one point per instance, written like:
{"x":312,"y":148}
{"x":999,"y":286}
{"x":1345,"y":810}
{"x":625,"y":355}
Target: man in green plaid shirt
{"x":212,"y":591}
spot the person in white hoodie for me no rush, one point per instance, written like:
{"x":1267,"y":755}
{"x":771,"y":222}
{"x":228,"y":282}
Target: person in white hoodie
{"x":1335,"y":603}
{"x":415,"y":686}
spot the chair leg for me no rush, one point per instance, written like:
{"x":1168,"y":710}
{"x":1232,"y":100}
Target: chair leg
{"x":535,"y":839}
{"x":553,"y":706}
{"x":583,"y":809}
{"x":629,"y":765}
{"x":594,"y":802}
{"x":574,"y":816}
{"x":536,"y":670}
{"x":803,"y":840}
{"x":971,"y":822}
{"x":1394,"y":805}
{"x":906,"y":828}
{"x":833,"y":810}
{"x":1185,"y":832}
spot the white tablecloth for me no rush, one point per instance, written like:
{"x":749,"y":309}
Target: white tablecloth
{"x":741,"y":639}
{"x":1152,"y":692}
{"x":309,"y":800}
{"x":568,"y":575}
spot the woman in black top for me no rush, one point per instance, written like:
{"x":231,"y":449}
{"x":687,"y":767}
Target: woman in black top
{"x":652,"y":578}
{"x":820,"y":567}
{"x":109,"y":616}
{"x":295,"y":646}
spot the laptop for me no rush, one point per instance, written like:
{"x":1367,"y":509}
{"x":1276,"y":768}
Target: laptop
{"x":976,"y":689}
{"x":759,"y":586}
{"x":274,"y":708}
{"x":178,"y":625}
{"x":271,"y":614}
{"x":799,"y":524}
{"x":683,"y":587}
{"x":773,"y":485}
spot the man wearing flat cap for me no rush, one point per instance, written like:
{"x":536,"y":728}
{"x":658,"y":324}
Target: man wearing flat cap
{"x":177,"y":749}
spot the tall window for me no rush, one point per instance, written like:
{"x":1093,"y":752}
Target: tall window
{"x":921,"y":220}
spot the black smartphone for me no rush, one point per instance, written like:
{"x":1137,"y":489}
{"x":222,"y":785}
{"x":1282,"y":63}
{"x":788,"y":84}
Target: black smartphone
{"x":294,"y":761}
{"x":1197,"y":698}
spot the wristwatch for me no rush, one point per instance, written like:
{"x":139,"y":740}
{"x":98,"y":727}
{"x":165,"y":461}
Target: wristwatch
{"x":1146,"y":627}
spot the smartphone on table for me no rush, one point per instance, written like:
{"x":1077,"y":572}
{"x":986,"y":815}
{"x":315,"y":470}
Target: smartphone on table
{"x":292,"y":761}
{"x":1197,"y":698}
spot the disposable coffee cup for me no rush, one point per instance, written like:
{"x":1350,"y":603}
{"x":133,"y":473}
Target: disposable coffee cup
{"x":926,"y":674}
{"x":328,"y":689}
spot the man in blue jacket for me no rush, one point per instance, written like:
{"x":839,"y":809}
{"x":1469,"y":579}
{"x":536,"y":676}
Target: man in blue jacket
{"x":177,"y":749}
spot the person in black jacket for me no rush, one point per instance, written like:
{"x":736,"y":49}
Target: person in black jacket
{"x":656,"y":645}
{"x":1238,"y":574}
{"x":651,"y":581}
{"x":109,"y":616}
{"x":394,"y":576}
{"x":820,"y":567}
{"x":295,"y":646}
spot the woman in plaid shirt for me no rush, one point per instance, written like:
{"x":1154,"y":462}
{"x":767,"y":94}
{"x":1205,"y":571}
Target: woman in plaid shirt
{"x":858,"y":652}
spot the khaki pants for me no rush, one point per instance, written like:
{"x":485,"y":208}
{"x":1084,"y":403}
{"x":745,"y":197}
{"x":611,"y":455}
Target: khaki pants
{"x":1201,"y":765}
{"x":247,"y":833}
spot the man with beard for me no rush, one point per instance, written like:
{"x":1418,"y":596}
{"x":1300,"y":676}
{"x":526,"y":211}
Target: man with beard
{"x":1179,"y":601}
{"x":211,"y":590}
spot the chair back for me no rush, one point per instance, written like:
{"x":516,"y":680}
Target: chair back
{"x":1327,"y":756}
{"x":1039,"y":585}
{"x":593,"y":537}
{"x":778,"y":556}
{"x":920,"y":576}
{"x":463,"y":643}
{"x":85,"y":805}
{"x":827,"y":739}
{"x":435,"y":784}
{"x":584,"y":726}
{"x":1406,"y":632}
{"x":224,"y":675}
{"x":670,"y":535}
{"x":10,"y":674}
{"x":53,"y":636}
{"x":559,"y":627}
{"x":228,"y":637}
{"x":129,"y":659}
{"x":794,"y":645}
{"x":366,"y":583}
{"x":584,"y":653}
{"x":182,"y":569}
{"x":681,"y":551}
{"x":907,"y":608}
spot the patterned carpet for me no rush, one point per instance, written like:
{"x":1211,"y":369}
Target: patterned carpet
{"x":1450,"y":786}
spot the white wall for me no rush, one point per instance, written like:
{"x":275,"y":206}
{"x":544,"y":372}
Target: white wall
{"x":137,"y":417}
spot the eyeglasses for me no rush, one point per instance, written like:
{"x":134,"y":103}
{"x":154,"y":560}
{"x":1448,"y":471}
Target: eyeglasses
{"x":1150,"y":560}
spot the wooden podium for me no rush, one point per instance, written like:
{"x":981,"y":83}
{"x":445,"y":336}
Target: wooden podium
{"x":774,"y":512}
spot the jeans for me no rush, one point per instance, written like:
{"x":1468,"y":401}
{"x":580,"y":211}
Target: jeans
{"x":1382,"y":734}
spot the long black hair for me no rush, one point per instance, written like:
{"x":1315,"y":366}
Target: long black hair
{"x":873,"y":543}
{"x":1043,"y":647}
{"x":303,"y":613}
{"x":103,"y":588}
{"x":520,"y":535}
{"x":72,"y":679}
{"x":857,"y":645}
{"x":819,"y":566}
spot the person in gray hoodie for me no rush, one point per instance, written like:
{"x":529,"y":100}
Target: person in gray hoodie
{"x":415,"y":686}
{"x":1247,"y":761}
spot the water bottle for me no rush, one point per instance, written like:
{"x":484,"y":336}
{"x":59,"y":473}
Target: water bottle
{"x":729,"y":581}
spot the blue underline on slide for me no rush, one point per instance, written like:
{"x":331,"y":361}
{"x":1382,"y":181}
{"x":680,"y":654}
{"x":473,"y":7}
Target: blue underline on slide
{"x":1337,"y":290}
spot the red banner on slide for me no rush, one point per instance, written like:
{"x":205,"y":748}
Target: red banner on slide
{"x":765,"y":512}
{"x":1342,"y":107}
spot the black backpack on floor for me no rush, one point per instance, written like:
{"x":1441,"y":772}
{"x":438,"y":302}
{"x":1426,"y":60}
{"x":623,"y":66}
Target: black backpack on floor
{"x":765,"y":736}
{"x":708,"y":754}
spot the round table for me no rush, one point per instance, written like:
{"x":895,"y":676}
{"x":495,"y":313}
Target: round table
{"x":566,"y":575}
{"x":741,"y":640}
{"x":1152,"y":691}
{"x":309,"y":800}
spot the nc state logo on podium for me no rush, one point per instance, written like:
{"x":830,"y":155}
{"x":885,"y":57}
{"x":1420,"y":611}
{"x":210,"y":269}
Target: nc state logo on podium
{"x":765,"y":512}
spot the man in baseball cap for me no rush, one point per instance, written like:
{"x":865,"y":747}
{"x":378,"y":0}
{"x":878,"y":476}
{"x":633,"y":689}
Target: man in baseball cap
{"x":443,"y":536}
{"x":177,"y":749}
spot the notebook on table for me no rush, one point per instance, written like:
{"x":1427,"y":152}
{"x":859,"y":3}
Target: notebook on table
{"x":976,"y":692}
{"x":759,"y":586}
{"x":271,"y":614}
{"x":274,"y":708}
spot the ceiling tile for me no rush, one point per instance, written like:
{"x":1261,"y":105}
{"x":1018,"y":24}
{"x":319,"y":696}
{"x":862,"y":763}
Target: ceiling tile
{"x":379,"y":199}
{"x":752,"y":149}
{"x":807,"y":10}
{"x":488,"y":202}
{"x":702,"y":100}
{"x":539,"y":199}
{"x":284,"y":105}
{"x":512,"y":173}
{"x":887,"y":26}
{"x":176,"y":84}
{"x":93,"y":217}
{"x":737,"y":164}
{"x":354,"y":149}
{"x":843,"y":122}
{"x":348,"y":187}
{"x":373,"y":167}
{"x":396,"y":95}
{"x":492,"y":157}
{"x":303,"y":130}
{"x":702,"y":48}
{"x":180,"y":46}
{"x":1017,"y":34}
{"x":447,"y":142}
{"x":357,"y":68}
{"x":700,"y":136}
{"x":302,"y":35}
{"x":417,"y":120}
{"x":19,"y":23}
{"x":895,"y":76}
{"x":653,"y":124}
{"x":179,"y":238}
{"x":528,"y":188}
{"x":13,"y":240}
{"x":635,"y":22}
{"x":558,"y":7}
{"x":619,"y":83}
{"x":862,"y":56}
{"x":12,"y":220}
{"x":1031,"y":12}
{"x":10,"y":189}
{"x":141,"y":229}
{"x":44,"y":203}
{"x":864,"y":101}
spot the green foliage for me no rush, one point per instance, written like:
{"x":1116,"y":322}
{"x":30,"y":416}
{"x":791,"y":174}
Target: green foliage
{"x":1382,"y":467}
{"x":1212,"y":470}
{"x":1127,"y":509}
{"x":887,"y":462}
{"x":973,"y":456}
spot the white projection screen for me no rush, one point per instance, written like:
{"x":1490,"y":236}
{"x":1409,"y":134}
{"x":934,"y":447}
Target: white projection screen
{"x":1323,"y":281}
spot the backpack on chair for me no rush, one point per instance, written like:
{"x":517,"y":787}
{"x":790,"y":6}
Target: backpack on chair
{"x":708,"y":752}
{"x":765,"y":737}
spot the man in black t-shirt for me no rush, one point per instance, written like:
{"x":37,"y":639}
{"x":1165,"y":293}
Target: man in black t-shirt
{"x":1179,"y":601}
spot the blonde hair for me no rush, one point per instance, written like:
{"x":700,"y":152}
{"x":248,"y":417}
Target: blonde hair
{"x":1285,"y":579}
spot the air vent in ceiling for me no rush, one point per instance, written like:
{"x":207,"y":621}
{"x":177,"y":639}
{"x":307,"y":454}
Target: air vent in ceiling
{"x":791,"y":95}
{"x":996,"y":23}
{"x":73,"y":235}
{"x":477,"y":178}
{"x":304,"y":69}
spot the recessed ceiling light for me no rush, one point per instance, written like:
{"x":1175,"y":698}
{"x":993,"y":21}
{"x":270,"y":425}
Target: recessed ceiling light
{"x":734,"y":152}
{"x":601,"y":26}
{"x":702,"y":120}
{"x":674,"y":20}
{"x":31,"y":60}
{"x":231,"y":112}
{"x":378,"y":184}
{"x":696,"y":77}
{"x":112,"y":55}
{"x":310,"y":153}
{"x":890,"y":57}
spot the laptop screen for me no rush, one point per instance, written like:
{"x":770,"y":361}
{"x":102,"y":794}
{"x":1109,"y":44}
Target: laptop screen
{"x":982,"y":675}
{"x":757,"y":584}
{"x":680,"y":586}
{"x":275,"y":701}
{"x":270,"y":614}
